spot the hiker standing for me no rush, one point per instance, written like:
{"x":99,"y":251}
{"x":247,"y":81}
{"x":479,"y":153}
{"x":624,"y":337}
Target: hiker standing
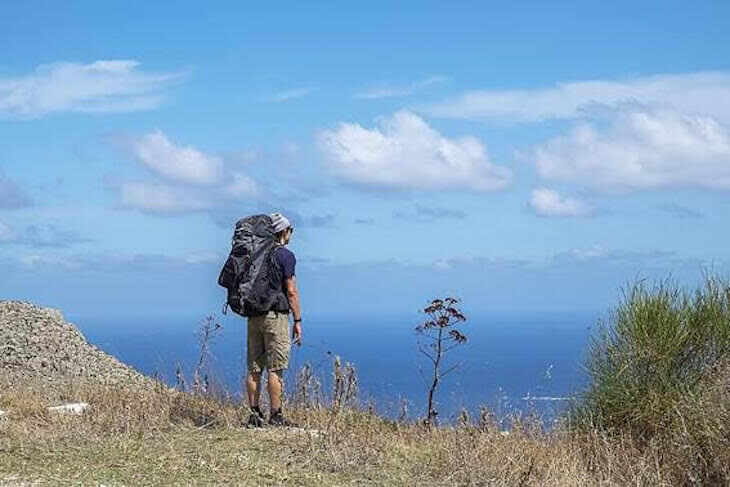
{"x":268,"y":335}
{"x":260,"y":277}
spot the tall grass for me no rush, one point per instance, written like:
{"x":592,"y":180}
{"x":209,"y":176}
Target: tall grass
{"x":658,"y":350}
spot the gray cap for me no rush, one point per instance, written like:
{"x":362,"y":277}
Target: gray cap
{"x":279,"y":222}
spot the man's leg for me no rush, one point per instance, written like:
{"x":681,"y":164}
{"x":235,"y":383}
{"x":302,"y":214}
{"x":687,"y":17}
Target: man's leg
{"x":275,"y":384}
{"x":255,"y":361}
{"x":253,"y":388}
{"x":277,"y":343}
{"x":255,"y":358}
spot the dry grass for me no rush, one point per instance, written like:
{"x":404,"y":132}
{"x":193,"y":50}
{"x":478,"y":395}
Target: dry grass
{"x":161,"y":437}
{"x":657,"y":413}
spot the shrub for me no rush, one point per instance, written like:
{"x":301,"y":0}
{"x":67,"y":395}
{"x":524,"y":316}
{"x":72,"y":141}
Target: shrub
{"x":654,"y":352}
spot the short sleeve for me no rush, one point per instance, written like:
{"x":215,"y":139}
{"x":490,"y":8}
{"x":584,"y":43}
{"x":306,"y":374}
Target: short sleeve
{"x":287,"y":262}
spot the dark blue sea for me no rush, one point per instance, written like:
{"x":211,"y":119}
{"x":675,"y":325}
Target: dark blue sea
{"x":511,"y":363}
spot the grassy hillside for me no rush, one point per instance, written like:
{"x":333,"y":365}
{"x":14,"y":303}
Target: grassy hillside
{"x":158,"y":437}
{"x":657,"y":412}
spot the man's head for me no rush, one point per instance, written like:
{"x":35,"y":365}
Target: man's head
{"x":282,"y":227}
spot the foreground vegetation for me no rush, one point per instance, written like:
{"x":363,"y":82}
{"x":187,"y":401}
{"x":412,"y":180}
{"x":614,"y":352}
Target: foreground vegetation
{"x":657,"y":412}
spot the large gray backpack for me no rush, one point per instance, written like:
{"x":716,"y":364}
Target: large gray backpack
{"x":250,"y":275}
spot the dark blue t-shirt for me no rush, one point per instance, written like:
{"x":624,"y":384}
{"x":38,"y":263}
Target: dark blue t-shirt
{"x":286,"y":261}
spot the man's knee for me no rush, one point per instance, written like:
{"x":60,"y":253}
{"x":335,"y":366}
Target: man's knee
{"x":254,"y":376}
{"x":276,"y":377}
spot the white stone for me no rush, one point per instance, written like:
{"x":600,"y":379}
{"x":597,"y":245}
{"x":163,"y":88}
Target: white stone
{"x":286,"y":430}
{"x":504,"y":433}
{"x":2,"y":413}
{"x":73,"y":408}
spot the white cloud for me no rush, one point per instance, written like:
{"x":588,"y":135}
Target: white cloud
{"x":102,"y":86}
{"x":405,"y":152}
{"x":547,"y":202}
{"x":241,"y":186}
{"x":186,"y":179}
{"x":443,"y":265}
{"x":178,"y":163}
{"x":290,"y":95}
{"x":705,"y":93}
{"x":113,"y":262}
{"x":7,"y":234}
{"x":204,"y":257}
{"x":641,"y":150}
{"x":39,"y":235}
{"x":162,"y":199}
{"x":390,"y":91}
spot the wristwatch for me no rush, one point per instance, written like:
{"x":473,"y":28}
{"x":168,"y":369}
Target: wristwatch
{"x":298,"y":320}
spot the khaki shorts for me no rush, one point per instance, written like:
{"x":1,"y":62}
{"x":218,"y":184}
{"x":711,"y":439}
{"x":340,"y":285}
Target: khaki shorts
{"x":268,"y":342}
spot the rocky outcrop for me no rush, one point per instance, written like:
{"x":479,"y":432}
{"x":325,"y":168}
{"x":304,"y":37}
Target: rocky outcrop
{"x":37,"y":344}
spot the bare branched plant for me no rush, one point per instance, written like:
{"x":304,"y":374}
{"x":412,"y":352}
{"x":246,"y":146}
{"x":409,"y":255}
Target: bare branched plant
{"x":441,"y":333}
{"x":487,"y":421}
{"x":403,"y":416}
{"x":209,"y":328}
{"x":308,"y":388}
{"x":180,"y":384}
{"x":344,"y":384}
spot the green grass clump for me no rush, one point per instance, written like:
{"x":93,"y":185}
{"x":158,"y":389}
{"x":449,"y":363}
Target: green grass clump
{"x":661,"y":344}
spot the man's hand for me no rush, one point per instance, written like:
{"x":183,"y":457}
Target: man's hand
{"x":296,"y":333}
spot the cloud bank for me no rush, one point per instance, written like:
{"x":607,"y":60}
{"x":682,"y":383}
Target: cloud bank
{"x":641,"y":150}
{"x":702,"y":92}
{"x":177,"y":163}
{"x":161,"y":198}
{"x":404,"y":152}
{"x":642,"y":133}
{"x":184,"y":179}
{"x":573,"y":280}
{"x":39,"y":236}
{"x":102,"y":86}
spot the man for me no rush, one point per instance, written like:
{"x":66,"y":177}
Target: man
{"x":268,"y":335}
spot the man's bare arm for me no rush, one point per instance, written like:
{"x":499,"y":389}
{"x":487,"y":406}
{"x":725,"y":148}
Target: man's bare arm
{"x":293,"y":295}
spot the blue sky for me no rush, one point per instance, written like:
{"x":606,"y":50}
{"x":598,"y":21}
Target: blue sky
{"x":523,"y":157}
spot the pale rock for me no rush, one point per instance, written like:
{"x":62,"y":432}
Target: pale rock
{"x":71,"y":408}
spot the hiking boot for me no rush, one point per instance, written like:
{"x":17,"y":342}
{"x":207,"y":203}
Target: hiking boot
{"x":278,"y":419}
{"x":256,"y":419}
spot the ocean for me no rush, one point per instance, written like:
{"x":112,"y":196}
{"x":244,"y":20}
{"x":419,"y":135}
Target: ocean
{"x":512,"y":362}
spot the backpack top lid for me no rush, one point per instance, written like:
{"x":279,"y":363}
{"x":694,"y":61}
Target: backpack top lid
{"x":255,"y":226}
